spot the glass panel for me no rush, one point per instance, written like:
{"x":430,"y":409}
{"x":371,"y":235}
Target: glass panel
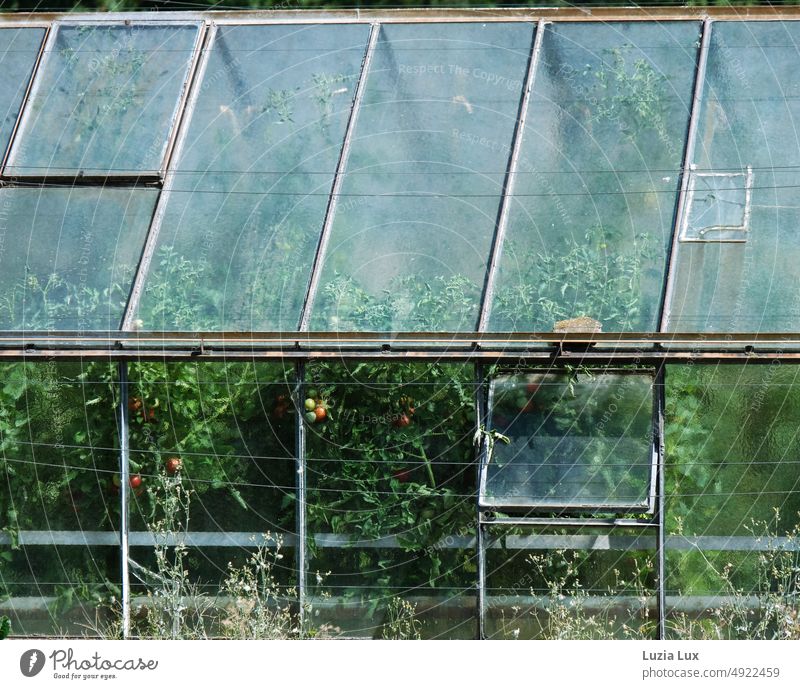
{"x":592,"y":214}
{"x":227,"y":432}
{"x":18,"y":51}
{"x":749,"y":118}
{"x":391,"y":500}
{"x":247,"y":204}
{"x":413,"y":229}
{"x":201,"y":592}
{"x":58,"y":435}
{"x":577,"y":585}
{"x":69,"y":263}
{"x":104,"y":100}
{"x":580,"y":440}
{"x":69,"y":590}
{"x":732,"y":501}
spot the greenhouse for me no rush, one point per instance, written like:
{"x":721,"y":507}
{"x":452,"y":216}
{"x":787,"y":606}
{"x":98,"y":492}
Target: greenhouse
{"x":400,"y":324}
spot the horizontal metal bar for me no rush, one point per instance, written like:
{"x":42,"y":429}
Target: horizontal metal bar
{"x":16,"y":605}
{"x":569,"y":522}
{"x":59,"y":181}
{"x":444,"y":338}
{"x":519,"y":358}
{"x":418,"y":15}
{"x":215,"y":539}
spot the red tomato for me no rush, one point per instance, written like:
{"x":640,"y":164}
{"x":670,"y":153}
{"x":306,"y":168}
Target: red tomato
{"x":320,"y":413}
{"x":402,"y":421}
{"x":135,"y":481}
{"x":134,"y":404}
{"x":173,"y":465}
{"x":532,"y":388}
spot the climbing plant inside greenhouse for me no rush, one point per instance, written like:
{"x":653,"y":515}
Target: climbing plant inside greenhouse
{"x":370,"y":324}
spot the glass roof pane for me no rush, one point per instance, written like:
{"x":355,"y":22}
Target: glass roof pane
{"x":68,"y":259}
{"x":18,"y":51}
{"x":592,"y":213}
{"x":248,"y":200}
{"x":413,"y":227}
{"x":745,"y":281}
{"x":104,"y":100}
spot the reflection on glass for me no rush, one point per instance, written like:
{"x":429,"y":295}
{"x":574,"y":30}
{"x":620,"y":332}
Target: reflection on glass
{"x":585,"y":584}
{"x":59,"y":503}
{"x":391,"y":500}
{"x":18,"y":51}
{"x":69,"y":263}
{"x":732,"y":501}
{"x":571,"y":441}
{"x":104,"y":100}
{"x":413,"y":227}
{"x":748,"y":119}
{"x":592,"y":212}
{"x":247,"y":202}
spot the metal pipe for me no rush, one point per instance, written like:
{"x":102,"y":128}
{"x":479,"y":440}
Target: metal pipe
{"x":300,"y":497}
{"x":480,"y":537}
{"x":661,"y":541}
{"x":510,"y":180}
{"x":124,"y":471}
{"x":341,"y":166}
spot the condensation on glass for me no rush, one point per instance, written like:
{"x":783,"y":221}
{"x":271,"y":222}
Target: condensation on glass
{"x":104,"y":100}
{"x":247,"y":200}
{"x":70,"y":260}
{"x":412,"y":234}
{"x":576,"y":441}
{"x":591,"y":213}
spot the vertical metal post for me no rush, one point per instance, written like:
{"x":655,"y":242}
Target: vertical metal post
{"x":510,"y":180}
{"x":300,"y":495}
{"x":480,"y":538}
{"x":688,"y":159}
{"x":341,"y":167}
{"x":661,"y":555}
{"x":124,"y":472}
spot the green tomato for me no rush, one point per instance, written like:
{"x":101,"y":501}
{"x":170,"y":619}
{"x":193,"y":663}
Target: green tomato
{"x":313,"y":393}
{"x":310,"y":404}
{"x":311,"y":417}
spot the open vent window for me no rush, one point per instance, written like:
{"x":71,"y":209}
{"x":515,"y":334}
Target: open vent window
{"x":570,"y":441}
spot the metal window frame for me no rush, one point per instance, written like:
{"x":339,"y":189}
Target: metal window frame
{"x":688,"y":157}
{"x":338,"y":180}
{"x":646,"y":507}
{"x":504,"y":211}
{"x":742,"y":229}
{"x":108,"y":177}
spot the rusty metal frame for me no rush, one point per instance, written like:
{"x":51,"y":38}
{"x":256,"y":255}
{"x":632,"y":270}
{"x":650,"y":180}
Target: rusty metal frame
{"x":110,"y":177}
{"x":427,"y":15}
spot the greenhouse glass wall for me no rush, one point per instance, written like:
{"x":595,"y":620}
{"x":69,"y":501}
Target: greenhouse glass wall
{"x":400,"y":324}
